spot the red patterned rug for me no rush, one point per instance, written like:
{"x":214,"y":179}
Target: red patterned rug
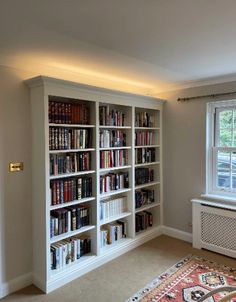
{"x":188,"y":280}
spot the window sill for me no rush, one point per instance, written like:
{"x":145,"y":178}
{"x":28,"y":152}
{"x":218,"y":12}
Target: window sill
{"x":220,"y":198}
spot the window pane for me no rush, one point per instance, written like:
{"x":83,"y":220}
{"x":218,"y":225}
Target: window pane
{"x":226,"y":119}
{"x":234,"y":138}
{"x":234,"y":170}
{"x":234,"y":117}
{"x":223,"y":169}
{"x":225,"y":137}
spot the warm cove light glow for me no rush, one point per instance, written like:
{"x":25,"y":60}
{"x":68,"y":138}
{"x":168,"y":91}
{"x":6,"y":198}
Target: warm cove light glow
{"x":100,"y":75}
{"x":74,"y":70}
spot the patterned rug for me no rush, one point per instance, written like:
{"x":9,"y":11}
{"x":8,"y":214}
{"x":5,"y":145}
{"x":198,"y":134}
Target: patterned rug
{"x":188,"y":281}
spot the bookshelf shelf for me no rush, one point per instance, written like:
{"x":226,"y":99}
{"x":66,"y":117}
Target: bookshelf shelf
{"x":115,"y":148}
{"x":148,"y":206}
{"x":147,"y":164}
{"x":115,"y":127}
{"x":71,"y":203}
{"x":113,"y":218}
{"x":72,"y":174}
{"x":115,"y":168}
{"x":116,"y":245}
{"x":147,"y":128}
{"x":148,"y":146}
{"x":149,"y":184}
{"x":85,"y":126}
{"x":71,"y":125}
{"x":115,"y":192}
{"x":72,"y":233}
{"x":143,"y":232}
{"x":85,"y":259}
{"x":71,"y":151}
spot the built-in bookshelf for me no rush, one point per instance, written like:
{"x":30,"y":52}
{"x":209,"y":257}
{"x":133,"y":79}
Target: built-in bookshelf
{"x":97,"y":176}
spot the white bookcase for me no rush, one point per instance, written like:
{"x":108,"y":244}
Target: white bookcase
{"x":42,"y":90}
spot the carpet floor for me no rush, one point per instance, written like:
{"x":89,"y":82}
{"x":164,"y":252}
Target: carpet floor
{"x":119,"y":279}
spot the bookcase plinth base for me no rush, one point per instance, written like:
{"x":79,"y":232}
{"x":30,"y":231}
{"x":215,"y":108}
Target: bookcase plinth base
{"x":93,"y":262}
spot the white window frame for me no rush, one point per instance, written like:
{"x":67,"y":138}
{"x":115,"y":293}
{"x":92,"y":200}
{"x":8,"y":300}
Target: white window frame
{"x":212,"y":135}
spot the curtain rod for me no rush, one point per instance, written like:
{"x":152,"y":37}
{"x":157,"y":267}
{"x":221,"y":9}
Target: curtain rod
{"x":205,"y":96}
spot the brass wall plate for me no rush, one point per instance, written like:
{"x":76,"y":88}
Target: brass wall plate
{"x":16,"y":167}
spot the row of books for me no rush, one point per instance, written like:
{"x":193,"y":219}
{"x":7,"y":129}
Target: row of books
{"x":145,"y":155}
{"x":113,"y":232}
{"x":69,"y":219}
{"x":111,"y":117}
{"x":113,"y":181}
{"x":68,"y":113}
{"x":69,"y":163}
{"x":144,"y":119}
{"x":143,"y":220}
{"x":112,"y":207}
{"x":69,"y":250}
{"x":143,"y":197}
{"x":66,"y":138}
{"x":112,"y":138}
{"x":144,"y":138}
{"x":113,"y":158}
{"x":66,"y":190}
{"x":143,"y":176}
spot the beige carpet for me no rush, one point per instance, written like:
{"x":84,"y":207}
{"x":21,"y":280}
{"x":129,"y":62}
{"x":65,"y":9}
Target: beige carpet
{"x":122,"y":277}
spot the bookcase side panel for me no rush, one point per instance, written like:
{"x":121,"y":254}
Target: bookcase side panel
{"x":39,"y":187}
{"x":161,"y":166}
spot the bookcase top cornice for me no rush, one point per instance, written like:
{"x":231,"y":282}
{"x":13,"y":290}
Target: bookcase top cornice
{"x":44,"y":80}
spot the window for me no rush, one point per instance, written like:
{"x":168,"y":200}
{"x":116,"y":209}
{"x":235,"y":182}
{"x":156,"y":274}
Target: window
{"x":221,"y":148}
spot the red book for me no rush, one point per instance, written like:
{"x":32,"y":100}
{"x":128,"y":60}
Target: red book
{"x":102,"y":159}
{"x":69,"y":113}
{"x":54,"y":193}
{"x":56,"y":113}
{"x":78,"y":121}
{"x":65,"y":191}
{"x":57,"y":192}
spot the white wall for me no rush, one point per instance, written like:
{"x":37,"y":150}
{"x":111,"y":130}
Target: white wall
{"x":184,"y":152}
{"x":15,"y":188}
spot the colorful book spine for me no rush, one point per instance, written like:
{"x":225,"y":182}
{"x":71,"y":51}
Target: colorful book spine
{"x":111,"y":117}
{"x":144,"y":138}
{"x":143,"y":220}
{"x":69,"y":219}
{"x":143,"y":176}
{"x":113,"y":158}
{"x":144,"y":119}
{"x":143,"y":197}
{"x":113,"y":181}
{"x":145,"y":155}
{"x":112,"y":138}
{"x":70,"y":189}
{"x":68,"y":251}
{"x":113,"y":232}
{"x":70,"y":163}
{"x":68,"y":113}
{"x":66,"y":138}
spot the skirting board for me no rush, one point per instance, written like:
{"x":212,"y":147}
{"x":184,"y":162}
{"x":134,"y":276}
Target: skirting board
{"x":27,"y":279}
{"x":13,"y":285}
{"x":175,"y":233}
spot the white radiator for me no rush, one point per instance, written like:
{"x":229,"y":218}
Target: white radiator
{"x":214,"y":227}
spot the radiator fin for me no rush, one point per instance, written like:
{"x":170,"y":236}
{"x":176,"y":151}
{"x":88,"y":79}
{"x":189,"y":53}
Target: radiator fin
{"x":218,"y":230}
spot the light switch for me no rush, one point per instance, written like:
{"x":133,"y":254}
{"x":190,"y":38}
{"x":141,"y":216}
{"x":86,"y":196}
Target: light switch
{"x":16,"y":167}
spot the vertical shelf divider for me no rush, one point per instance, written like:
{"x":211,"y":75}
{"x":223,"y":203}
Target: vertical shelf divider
{"x":133,"y":172}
